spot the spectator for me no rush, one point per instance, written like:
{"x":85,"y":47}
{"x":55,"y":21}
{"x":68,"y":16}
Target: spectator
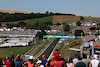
{"x":59,"y":63}
{"x":39,"y":63}
{"x":44,"y":60}
{"x":31,"y":62}
{"x":17,"y":61}
{"x":7,"y":58}
{"x":86,"y":61}
{"x":12,"y":58}
{"x":57,"y":55}
{"x":70,"y":64}
{"x":75,"y":60}
{"x":63,"y":60}
{"x":94,"y":62}
{"x":80,"y":63}
{"x":1,"y":64}
{"x":8,"y":62}
{"x":50,"y":62}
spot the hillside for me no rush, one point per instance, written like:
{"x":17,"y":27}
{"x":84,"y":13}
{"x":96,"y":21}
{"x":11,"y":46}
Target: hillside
{"x":31,"y":18}
{"x":31,"y":21}
{"x":91,"y":18}
{"x":43,"y":19}
{"x":65,"y":18}
{"x":69,"y":19}
{"x":13,"y":11}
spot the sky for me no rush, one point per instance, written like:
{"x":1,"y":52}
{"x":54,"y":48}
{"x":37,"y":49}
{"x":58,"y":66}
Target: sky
{"x":77,"y":7}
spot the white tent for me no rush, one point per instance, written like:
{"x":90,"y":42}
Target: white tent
{"x":86,"y":44}
{"x":22,"y":44}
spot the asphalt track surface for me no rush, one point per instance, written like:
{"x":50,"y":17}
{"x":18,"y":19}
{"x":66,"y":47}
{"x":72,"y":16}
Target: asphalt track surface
{"x":48,"y":51}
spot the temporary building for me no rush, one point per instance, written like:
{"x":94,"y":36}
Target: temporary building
{"x":86,"y":44}
{"x":22,"y":44}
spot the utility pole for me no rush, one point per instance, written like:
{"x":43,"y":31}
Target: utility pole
{"x":81,"y":51}
{"x":92,"y":48}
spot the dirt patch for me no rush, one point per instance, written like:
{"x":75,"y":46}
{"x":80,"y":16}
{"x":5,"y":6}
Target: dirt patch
{"x":13,"y":11}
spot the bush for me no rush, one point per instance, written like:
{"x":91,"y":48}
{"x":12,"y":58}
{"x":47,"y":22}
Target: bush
{"x":66,"y":27}
{"x":40,"y":34}
{"x":22,"y":24}
{"x":81,"y":18}
{"x":79,"y":33}
{"x":58,"y":24}
{"x":92,"y":28}
{"x":78,"y":23}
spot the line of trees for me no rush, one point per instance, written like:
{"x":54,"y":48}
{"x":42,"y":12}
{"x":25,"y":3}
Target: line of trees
{"x":6,"y":17}
{"x":36,"y":25}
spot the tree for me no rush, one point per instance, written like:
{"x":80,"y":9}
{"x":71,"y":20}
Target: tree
{"x":51,"y":13}
{"x":64,"y":23}
{"x":42,"y":26}
{"x":98,"y":27}
{"x":66,"y":27}
{"x":58,"y":24}
{"x":92,"y":28}
{"x":0,"y":24}
{"x":29,"y":26}
{"x":48,"y":23}
{"x":48,"y":28}
{"x":79,"y":33}
{"x":9,"y":25}
{"x":36,"y":24}
{"x":22,"y":24}
{"x":78,"y":23}
{"x":47,"y":13}
{"x":40,"y":34}
{"x":98,"y":24}
{"x":81,"y":18}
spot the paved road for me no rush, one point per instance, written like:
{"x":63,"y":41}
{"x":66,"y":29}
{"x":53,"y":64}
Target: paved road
{"x":48,"y":51}
{"x":36,"y":47}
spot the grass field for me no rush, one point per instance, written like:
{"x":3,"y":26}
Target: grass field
{"x":64,"y":50}
{"x":43,"y":19}
{"x":14,"y":51}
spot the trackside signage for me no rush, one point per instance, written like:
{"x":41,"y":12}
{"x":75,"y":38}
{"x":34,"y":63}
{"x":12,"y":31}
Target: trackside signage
{"x":97,"y":46}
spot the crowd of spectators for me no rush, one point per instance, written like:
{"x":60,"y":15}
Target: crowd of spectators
{"x":84,"y":28}
{"x":87,"y":38}
{"x":19,"y":32}
{"x":56,"y":61}
{"x":25,"y":32}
